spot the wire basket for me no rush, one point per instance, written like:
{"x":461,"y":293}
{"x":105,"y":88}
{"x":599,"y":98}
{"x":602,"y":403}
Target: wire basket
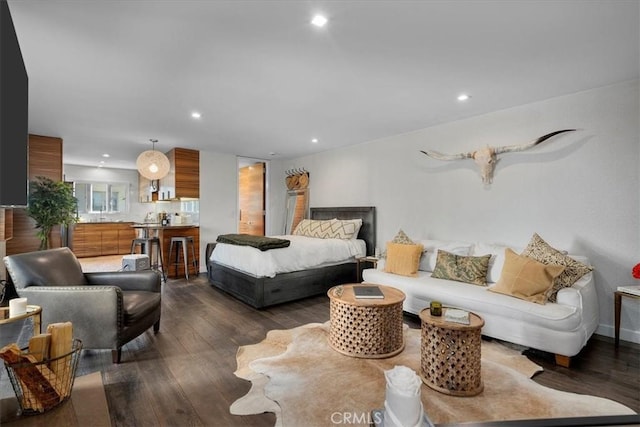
{"x":41,"y":386}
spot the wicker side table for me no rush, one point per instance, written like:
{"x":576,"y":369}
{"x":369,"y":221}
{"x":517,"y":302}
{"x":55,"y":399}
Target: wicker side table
{"x":366,"y":328}
{"x":450,"y":354}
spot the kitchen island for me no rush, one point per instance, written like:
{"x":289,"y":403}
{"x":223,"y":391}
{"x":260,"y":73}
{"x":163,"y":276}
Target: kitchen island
{"x":165,"y":233}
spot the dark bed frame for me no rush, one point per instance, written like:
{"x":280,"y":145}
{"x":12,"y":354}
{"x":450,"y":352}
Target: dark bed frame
{"x":265,"y":291}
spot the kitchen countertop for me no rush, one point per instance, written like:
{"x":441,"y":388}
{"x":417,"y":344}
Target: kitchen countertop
{"x":158,"y":225}
{"x":140,"y":224}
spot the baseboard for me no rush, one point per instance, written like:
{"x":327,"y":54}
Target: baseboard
{"x":625,"y":334}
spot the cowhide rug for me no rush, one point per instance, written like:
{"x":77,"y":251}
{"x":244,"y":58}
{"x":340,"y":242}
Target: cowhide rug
{"x":295,"y":374}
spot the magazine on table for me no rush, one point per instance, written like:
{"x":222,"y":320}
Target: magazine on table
{"x":368,"y":292}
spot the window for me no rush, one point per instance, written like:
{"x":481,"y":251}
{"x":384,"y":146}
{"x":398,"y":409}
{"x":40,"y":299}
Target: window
{"x":102,"y":197}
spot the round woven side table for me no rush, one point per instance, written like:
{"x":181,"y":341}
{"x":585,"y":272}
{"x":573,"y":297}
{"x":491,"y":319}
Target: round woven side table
{"x":366,"y":328}
{"x":450,"y":354}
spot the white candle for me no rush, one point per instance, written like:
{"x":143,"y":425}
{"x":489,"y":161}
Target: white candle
{"x":17,"y":306}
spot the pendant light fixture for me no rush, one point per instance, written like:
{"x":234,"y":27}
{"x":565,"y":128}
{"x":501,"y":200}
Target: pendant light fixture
{"x":153,"y":164}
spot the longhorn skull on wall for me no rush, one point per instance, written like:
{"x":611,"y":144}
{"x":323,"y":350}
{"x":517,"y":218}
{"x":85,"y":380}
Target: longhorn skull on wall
{"x":486,"y":157}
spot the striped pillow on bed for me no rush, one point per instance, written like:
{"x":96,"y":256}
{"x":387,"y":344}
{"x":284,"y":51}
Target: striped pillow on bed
{"x":329,"y":229}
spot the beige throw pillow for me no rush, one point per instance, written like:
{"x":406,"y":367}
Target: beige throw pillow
{"x":526,"y":278}
{"x":403,"y":259}
{"x":467,"y":269}
{"x":541,"y":251}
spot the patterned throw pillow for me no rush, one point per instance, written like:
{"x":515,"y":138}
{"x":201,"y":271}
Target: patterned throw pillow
{"x":402,"y":238}
{"x":467,"y":269}
{"x":345,"y":228}
{"x":525,"y":278}
{"x":403,"y":259}
{"x":313,"y":228}
{"x":328,"y":229}
{"x":541,"y":251}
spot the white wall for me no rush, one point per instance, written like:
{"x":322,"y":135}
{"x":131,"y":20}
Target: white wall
{"x":579,"y":191}
{"x":218,"y":198}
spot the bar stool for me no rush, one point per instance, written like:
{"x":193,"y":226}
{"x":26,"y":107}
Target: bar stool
{"x":146,"y":247}
{"x":184,"y":242}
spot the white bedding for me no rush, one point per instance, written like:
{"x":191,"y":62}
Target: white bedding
{"x":303,"y":253}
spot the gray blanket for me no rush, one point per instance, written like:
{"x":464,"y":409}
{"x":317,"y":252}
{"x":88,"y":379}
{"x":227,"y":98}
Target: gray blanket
{"x":260,"y":242}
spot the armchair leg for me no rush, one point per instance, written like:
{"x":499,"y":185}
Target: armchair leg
{"x":156,"y":327}
{"x":116,"y":355}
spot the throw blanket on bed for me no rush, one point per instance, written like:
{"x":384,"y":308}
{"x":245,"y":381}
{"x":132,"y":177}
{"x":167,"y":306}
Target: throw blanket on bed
{"x":260,"y":242}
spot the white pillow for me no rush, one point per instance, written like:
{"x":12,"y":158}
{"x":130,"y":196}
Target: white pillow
{"x":430,"y":254}
{"x":497,"y":258}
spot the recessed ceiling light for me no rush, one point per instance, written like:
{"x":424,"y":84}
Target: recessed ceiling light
{"x":319,"y":21}
{"x":106,"y":155}
{"x":196,"y":115}
{"x":463,"y":97}
{"x":314,"y":140}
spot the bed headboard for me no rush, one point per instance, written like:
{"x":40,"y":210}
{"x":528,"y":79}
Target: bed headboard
{"x":367,"y":213}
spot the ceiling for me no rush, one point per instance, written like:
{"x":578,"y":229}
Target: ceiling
{"x":107,"y":76}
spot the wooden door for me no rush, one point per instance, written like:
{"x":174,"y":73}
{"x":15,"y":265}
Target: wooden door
{"x":252,"y":199}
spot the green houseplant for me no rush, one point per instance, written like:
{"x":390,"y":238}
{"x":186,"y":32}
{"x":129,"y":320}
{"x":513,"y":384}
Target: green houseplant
{"x":50,"y":203}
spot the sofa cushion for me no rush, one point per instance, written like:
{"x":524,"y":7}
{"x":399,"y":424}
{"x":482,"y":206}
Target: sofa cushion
{"x":541,"y":251}
{"x":403,"y":259}
{"x":467,"y":269}
{"x":525,"y":278}
{"x":429,"y":258}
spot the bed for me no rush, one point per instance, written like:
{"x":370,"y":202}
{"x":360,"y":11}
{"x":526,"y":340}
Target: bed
{"x":261,"y":292}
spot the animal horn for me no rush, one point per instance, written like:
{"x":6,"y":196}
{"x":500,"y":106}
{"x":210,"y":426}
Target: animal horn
{"x":439,"y":156}
{"x":522,"y":147}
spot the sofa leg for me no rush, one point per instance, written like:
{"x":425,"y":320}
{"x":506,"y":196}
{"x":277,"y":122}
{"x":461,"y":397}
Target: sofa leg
{"x":116,"y":355}
{"x":156,"y":327}
{"x":563,"y":361}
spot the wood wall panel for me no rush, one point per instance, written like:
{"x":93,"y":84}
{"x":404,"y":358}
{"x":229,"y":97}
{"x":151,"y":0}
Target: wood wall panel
{"x":6,"y":223}
{"x":252,"y":199}
{"x":45,"y":159}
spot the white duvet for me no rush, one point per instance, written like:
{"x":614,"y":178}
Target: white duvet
{"x":303,"y":253}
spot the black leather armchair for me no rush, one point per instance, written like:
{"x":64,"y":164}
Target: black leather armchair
{"x":107,"y":309}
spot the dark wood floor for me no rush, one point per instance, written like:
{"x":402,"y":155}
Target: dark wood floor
{"x":183,"y":376}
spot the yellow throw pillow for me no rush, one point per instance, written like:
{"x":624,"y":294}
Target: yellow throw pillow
{"x":403,"y":259}
{"x":526,"y":278}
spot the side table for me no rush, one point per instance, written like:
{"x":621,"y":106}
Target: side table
{"x":450,"y":354}
{"x":34,"y":311}
{"x":617,"y":297}
{"x":366,"y":328}
{"x":359,"y":265}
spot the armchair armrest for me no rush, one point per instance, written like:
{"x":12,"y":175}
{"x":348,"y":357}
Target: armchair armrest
{"x":95,"y":311}
{"x":146,"y":280}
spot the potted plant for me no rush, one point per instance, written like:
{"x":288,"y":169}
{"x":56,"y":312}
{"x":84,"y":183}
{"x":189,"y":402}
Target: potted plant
{"x":50,"y":203}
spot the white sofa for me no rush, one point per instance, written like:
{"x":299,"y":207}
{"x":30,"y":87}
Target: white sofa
{"x":562,"y":328}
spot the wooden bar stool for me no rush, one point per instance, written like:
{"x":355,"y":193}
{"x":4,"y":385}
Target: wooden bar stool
{"x":184,"y":242}
{"x":146,"y":247}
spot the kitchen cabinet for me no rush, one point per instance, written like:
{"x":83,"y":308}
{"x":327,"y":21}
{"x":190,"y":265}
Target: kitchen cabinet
{"x":183,"y":180}
{"x":102,"y":238}
{"x":147,"y":189}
